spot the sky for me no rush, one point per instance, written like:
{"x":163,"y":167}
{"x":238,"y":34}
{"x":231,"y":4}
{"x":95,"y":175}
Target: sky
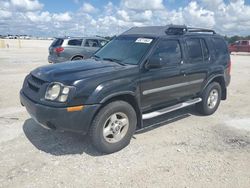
{"x":54,"y":18}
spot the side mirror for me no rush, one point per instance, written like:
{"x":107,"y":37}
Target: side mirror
{"x":154,"y":62}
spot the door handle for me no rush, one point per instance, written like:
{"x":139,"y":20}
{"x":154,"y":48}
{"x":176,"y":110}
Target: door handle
{"x":183,"y":72}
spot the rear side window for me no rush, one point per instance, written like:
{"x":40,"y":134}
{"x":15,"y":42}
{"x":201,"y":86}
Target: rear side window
{"x":57,"y":42}
{"x":244,"y":42}
{"x":194,"y":50}
{"x":169,"y":51}
{"x":91,"y":43}
{"x":75,"y":42}
{"x":220,"y":47}
{"x":204,"y":49}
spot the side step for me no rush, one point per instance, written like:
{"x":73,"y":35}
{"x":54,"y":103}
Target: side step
{"x":170,"y":109}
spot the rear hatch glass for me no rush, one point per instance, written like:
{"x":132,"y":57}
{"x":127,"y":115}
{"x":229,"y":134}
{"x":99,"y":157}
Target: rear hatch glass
{"x":55,"y":43}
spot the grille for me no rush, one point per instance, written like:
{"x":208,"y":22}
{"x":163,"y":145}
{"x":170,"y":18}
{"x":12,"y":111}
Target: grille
{"x":35,"y":83}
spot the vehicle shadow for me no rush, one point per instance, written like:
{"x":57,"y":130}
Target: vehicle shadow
{"x":65,"y":143}
{"x":55,"y":142}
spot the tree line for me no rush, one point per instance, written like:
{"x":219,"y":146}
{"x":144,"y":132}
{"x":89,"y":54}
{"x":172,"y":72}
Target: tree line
{"x":235,"y":38}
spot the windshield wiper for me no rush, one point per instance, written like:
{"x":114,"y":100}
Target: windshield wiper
{"x":114,"y":60}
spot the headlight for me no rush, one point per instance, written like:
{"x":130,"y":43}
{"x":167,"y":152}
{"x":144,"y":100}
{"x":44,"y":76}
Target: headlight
{"x":57,"y":91}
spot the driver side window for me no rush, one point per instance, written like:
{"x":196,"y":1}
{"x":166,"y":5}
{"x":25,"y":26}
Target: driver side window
{"x":169,"y":52}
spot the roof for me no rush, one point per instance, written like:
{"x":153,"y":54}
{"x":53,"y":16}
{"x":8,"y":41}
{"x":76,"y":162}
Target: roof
{"x":81,"y":38}
{"x":166,"y":30}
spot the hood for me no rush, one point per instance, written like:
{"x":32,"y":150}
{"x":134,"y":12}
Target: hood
{"x":71,"y":71}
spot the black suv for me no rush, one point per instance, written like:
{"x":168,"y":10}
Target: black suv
{"x":143,"y":73}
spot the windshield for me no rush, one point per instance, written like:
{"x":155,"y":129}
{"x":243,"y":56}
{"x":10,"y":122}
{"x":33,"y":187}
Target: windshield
{"x":125,"y":49}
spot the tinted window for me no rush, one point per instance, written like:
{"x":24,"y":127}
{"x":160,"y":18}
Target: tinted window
{"x":75,"y":42}
{"x":220,"y":47}
{"x":91,"y":43}
{"x":204,"y":49}
{"x":57,"y":42}
{"x":244,"y":42}
{"x":169,"y":51}
{"x":194,"y":50}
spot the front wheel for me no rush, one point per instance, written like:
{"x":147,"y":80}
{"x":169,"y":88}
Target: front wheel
{"x":210,"y":99}
{"x":113,"y":127}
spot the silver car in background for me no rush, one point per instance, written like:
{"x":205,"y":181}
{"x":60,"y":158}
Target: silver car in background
{"x":72,"y":49}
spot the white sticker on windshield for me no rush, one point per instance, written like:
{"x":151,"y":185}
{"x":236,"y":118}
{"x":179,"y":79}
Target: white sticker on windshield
{"x":144,"y":40}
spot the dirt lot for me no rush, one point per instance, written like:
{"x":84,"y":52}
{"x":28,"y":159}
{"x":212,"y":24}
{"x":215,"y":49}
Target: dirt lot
{"x":187,"y":151}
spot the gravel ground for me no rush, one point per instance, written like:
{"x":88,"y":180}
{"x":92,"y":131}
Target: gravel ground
{"x":187,"y":150}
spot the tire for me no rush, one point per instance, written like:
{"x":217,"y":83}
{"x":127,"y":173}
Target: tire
{"x":208,"y":106}
{"x":76,"y":58}
{"x":105,"y":132}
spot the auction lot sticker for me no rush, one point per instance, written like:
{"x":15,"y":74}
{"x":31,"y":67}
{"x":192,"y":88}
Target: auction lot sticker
{"x":144,"y":40}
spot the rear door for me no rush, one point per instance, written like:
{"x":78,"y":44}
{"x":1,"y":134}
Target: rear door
{"x":196,"y":65}
{"x":161,"y":86}
{"x":73,"y":48}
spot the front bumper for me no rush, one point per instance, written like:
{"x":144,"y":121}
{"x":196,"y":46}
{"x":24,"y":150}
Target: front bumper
{"x":60,"y":118}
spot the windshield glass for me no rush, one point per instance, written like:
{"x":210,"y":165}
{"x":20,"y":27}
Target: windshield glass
{"x":125,"y":49}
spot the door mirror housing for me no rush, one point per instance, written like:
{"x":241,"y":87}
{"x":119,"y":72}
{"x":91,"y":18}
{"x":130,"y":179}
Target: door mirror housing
{"x":154,"y":62}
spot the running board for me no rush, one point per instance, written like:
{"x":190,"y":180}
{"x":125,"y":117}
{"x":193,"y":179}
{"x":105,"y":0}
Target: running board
{"x":170,"y":109}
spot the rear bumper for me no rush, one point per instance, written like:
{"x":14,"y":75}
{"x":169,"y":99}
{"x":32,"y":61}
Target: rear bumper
{"x":53,"y":59}
{"x":60,"y":118}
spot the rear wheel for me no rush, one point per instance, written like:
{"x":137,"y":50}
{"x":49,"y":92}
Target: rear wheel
{"x":76,"y":58}
{"x":113,"y":127}
{"x":210,"y":99}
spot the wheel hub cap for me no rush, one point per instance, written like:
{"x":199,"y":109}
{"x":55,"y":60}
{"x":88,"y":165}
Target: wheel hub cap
{"x":212,"y":99}
{"x":115,"y":127}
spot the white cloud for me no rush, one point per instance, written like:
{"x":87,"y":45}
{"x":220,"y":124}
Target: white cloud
{"x":143,"y":4}
{"x":123,"y":14}
{"x":29,"y":17}
{"x":88,"y":8}
{"x":197,"y":16}
{"x":62,"y":17}
{"x":27,"y":5}
{"x":212,"y":4}
{"x":39,"y":17}
{"x":4,"y":14}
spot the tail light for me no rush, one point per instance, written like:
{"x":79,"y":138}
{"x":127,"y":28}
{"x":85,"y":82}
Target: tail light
{"x":59,"y":50}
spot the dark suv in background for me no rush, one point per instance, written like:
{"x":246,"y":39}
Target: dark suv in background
{"x":71,"y":49}
{"x":142,"y":74}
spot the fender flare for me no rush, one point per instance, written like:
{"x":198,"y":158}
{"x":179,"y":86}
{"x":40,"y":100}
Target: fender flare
{"x":209,"y":80}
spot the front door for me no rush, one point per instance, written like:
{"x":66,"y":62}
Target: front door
{"x":161,"y":86}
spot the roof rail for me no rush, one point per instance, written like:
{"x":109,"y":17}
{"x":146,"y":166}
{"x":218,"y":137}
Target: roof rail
{"x":176,"y":29}
{"x":182,"y":29}
{"x":200,"y":30}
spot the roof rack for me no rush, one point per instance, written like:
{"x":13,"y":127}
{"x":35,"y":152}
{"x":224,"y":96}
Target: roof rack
{"x":200,"y":30}
{"x":183,"y":29}
{"x":176,"y":29}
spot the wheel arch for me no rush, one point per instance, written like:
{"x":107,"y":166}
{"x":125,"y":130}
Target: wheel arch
{"x":77,"y":55}
{"x":221,"y":80}
{"x":128,"y":97}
